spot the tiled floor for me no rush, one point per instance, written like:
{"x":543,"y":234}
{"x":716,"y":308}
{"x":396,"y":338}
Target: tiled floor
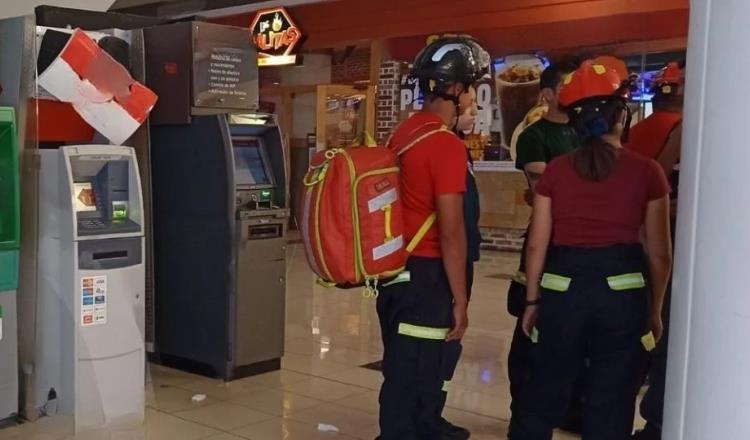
{"x":321,"y":392}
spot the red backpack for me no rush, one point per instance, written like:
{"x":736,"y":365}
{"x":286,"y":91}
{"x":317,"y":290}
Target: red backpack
{"x":351,"y":209}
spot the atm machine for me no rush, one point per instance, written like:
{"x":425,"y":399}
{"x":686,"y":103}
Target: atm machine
{"x":27,"y":45}
{"x":9,"y":247}
{"x":90,"y":349}
{"x":220,"y":205}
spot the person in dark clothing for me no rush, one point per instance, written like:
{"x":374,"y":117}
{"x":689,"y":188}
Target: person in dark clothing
{"x":587,"y":295}
{"x":424,"y":309}
{"x":659,"y":137}
{"x":541,"y":142}
{"x":465,"y":123}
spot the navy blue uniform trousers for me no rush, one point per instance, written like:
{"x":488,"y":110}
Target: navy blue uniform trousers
{"x":591,"y":309}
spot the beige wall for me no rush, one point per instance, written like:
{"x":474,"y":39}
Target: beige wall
{"x":501,"y":198}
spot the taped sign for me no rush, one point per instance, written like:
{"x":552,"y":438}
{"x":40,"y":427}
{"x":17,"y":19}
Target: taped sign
{"x":100,"y":89}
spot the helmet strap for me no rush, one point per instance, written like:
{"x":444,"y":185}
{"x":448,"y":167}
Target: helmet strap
{"x":626,"y":129}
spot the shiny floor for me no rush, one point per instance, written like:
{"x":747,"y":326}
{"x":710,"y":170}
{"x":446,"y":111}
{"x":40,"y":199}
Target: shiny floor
{"x":321,"y":391}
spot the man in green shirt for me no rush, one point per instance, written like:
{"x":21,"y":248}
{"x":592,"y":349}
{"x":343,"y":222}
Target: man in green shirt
{"x":541,"y":142}
{"x":549,"y":137}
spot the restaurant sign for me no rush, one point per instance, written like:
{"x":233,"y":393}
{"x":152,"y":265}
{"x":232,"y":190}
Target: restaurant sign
{"x":275,"y":35}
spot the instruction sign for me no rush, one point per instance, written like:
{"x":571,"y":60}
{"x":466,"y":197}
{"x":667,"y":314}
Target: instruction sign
{"x":225,"y":68}
{"x":94,"y":300}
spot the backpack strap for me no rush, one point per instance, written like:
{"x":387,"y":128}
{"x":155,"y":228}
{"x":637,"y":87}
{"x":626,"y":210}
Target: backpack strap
{"x":423,"y":136}
{"x":421,"y":233}
{"x":430,"y":220}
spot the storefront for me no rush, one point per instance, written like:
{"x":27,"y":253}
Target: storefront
{"x":353,"y":76}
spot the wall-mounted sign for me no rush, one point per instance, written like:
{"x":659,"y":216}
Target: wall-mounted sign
{"x":276,"y":35}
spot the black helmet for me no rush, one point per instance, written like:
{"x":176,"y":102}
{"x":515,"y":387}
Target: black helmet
{"x":450,"y":60}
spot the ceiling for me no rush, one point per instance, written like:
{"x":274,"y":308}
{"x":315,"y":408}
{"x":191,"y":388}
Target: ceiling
{"x":206,"y":8}
{"x":503,"y":26}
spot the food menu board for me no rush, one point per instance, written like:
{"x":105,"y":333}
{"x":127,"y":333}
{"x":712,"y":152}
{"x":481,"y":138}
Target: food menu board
{"x":517,"y":84}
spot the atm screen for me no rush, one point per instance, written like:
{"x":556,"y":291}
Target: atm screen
{"x":85,"y":198}
{"x":249,"y":164}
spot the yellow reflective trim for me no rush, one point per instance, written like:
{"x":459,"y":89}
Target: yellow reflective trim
{"x":555,"y":282}
{"x":535,"y":335}
{"x":359,"y":261}
{"x":627,"y":281}
{"x":420,"y":332}
{"x":318,"y":242}
{"x":446,"y":386}
{"x":599,"y":69}
{"x":519,"y":277}
{"x":568,"y":79}
{"x":648,"y":341}
{"x":403,"y":277}
{"x":358,"y":264}
{"x":324,"y":283}
{"x":421,"y":232}
{"x":388,"y":210}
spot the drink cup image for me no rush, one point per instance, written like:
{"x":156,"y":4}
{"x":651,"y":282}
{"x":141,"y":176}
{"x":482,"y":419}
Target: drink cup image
{"x":517,"y":84}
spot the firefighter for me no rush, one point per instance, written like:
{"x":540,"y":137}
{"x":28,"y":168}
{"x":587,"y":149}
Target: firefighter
{"x":659,"y":137}
{"x":466,"y":122}
{"x":587,"y":296}
{"x":426,"y":307}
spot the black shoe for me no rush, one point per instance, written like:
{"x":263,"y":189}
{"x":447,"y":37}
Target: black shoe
{"x":453,"y":432}
{"x":647,"y":433}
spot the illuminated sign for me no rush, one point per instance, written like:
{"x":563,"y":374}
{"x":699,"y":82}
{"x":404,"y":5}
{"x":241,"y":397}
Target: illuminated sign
{"x":275,"y":35}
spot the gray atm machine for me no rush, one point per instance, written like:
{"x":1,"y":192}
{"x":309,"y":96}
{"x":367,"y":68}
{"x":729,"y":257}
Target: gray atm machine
{"x":90,"y":347}
{"x":220,"y":204}
{"x":220,"y":218}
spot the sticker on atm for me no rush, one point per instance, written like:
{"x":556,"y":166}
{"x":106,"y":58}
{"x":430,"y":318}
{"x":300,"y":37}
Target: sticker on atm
{"x":94,"y":300}
{"x":100,"y":315}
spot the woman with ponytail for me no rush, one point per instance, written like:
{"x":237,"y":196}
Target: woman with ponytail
{"x":592,"y":299}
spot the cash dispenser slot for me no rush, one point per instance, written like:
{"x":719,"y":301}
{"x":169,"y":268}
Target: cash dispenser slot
{"x":260,"y":232}
{"x":110,"y":255}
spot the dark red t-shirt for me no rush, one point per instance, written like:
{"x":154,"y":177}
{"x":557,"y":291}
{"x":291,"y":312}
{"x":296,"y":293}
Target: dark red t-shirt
{"x":595,"y":214}
{"x":432,"y":167}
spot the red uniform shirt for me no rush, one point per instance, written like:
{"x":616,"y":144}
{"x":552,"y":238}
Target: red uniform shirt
{"x":595,"y":214}
{"x":432,"y":167}
{"x":649,"y":136}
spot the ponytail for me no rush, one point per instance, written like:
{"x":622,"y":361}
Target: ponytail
{"x":596,"y":159}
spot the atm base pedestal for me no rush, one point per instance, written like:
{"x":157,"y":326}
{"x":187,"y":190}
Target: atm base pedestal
{"x":201,"y":369}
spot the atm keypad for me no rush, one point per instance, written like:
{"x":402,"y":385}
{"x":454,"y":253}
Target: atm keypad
{"x":93,"y":224}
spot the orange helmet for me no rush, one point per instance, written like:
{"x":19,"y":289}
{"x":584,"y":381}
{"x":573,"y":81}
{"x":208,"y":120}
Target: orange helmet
{"x":589,"y":81}
{"x":668,"y":80}
{"x":613,"y":63}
